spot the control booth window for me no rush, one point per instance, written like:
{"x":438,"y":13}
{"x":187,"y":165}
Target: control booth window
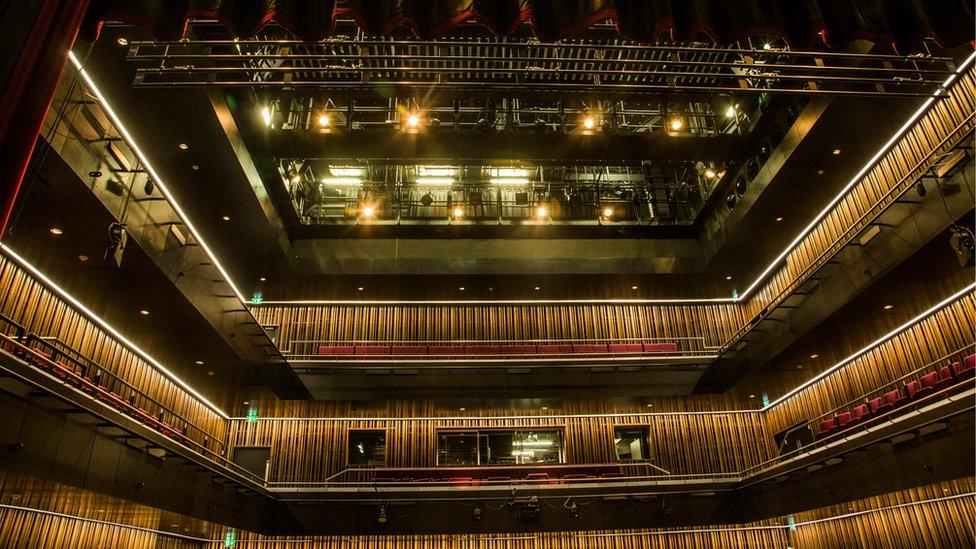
{"x":632,"y":443}
{"x":367,"y":447}
{"x":499,"y":447}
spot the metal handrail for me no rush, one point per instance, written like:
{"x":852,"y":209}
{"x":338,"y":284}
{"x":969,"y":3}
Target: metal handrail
{"x":849,"y":234}
{"x":873,"y":420}
{"x":732,"y":476}
{"x":65,"y":351}
{"x":289,"y":350}
{"x":20,"y":348}
{"x":937,"y":363}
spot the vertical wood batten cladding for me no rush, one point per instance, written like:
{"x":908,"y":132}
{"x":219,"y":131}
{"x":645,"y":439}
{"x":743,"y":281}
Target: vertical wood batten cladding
{"x":944,"y":332}
{"x":368,"y":322}
{"x":936,"y":520}
{"x":946,"y":121}
{"x":28,"y":302}
{"x":620,"y":539}
{"x":311,"y":450}
{"x":36,"y":530}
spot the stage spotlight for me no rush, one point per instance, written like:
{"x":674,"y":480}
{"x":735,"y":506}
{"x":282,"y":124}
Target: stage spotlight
{"x":457,"y":212}
{"x":382,"y":516}
{"x":266,"y":116}
{"x":607,"y":212}
{"x":540,"y":126}
{"x":730,"y":112}
{"x":368,"y":212}
{"x":676,"y":123}
{"x":541,"y":212}
{"x":324,"y":120}
{"x":589,"y":122}
{"x":427,"y":199}
{"x":482,"y":124}
{"x":710,"y":173}
{"x":413,"y":121}
{"x":476,"y":513}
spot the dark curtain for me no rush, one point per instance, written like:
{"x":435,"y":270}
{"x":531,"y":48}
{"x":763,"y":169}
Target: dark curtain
{"x":37,"y":37}
{"x":802,"y":23}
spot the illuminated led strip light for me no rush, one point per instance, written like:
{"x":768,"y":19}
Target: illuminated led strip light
{"x":931,"y":310}
{"x":752,"y":287}
{"x":105,"y":522}
{"x":857,"y":177}
{"x":146,"y":165}
{"x":592,"y":535}
{"x":108,"y":328}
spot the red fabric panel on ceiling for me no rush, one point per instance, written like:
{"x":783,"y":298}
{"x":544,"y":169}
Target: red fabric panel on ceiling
{"x":28,"y":92}
{"x":802,"y":23}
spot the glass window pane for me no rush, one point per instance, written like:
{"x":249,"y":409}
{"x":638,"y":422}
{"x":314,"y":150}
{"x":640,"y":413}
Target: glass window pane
{"x":537,"y":446}
{"x":456,"y":448}
{"x":631,"y":443}
{"x":367,"y":448}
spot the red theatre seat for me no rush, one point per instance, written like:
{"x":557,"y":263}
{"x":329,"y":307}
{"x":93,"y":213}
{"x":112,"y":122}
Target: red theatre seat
{"x":924,"y":387}
{"x":575,"y":476}
{"x":481,"y":350}
{"x":446,"y":349}
{"x":518,"y":349}
{"x":845,"y":420}
{"x":555,"y":349}
{"x":860,"y":412}
{"x":895,"y":398}
{"x":589,"y":348}
{"x":372,"y":350}
{"x":668,"y":347}
{"x":537,"y":476}
{"x":966,"y":369}
{"x":626,"y":348}
{"x":827,"y":427}
{"x":335,"y":350}
{"x":878,"y":406}
{"x":945,"y":379}
{"x":408,"y":350}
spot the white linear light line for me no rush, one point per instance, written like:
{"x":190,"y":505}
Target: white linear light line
{"x":153,"y":175}
{"x":928,"y":312}
{"x":108,"y":327}
{"x":627,"y":301}
{"x":104,"y":522}
{"x":857,"y":177}
{"x":888,"y":508}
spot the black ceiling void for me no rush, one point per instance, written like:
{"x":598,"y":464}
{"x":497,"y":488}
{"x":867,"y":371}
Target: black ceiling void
{"x":814,"y":24}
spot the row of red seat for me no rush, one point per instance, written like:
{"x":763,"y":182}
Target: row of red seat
{"x":929,"y":383}
{"x":93,"y":387}
{"x":482,"y":349}
{"x":535,"y":477}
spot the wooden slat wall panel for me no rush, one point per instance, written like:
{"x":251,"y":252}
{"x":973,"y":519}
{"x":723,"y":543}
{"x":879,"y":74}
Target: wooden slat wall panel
{"x":28,"y":302}
{"x":878,"y":188}
{"x":715,"y":323}
{"x":622,"y":539}
{"x":35,"y":530}
{"x":944,"y":332}
{"x":946,"y":523}
{"x":310,"y":450}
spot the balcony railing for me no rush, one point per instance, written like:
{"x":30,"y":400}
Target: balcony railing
{"x":500,"y":350}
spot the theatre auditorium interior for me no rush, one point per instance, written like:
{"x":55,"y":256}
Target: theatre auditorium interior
{"x":487,"y":274}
